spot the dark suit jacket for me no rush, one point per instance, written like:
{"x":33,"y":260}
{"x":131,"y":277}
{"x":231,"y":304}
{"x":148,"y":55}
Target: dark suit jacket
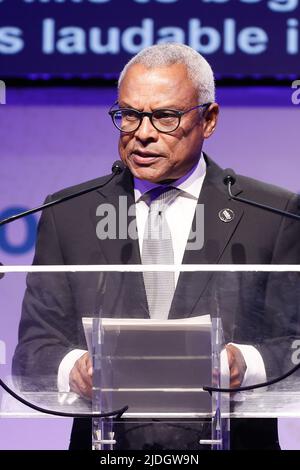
{"x":55,"y":303}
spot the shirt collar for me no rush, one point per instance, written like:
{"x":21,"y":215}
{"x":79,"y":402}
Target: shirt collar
{"x":191,"y":183}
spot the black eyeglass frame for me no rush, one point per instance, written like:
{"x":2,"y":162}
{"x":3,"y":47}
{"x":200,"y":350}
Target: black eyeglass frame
{"x":142,"y":114}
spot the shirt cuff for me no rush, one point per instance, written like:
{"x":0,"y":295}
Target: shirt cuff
{"x":256,"y":372}
{"x":65,"y":368}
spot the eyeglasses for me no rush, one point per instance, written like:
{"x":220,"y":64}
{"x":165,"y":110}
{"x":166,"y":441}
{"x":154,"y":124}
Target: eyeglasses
{"x":128,"y":120}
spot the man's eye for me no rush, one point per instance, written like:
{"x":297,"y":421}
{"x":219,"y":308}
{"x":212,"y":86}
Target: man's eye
{"x":130,"y":115}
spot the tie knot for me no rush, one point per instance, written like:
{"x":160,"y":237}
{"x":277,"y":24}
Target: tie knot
{"x":161,"y":196}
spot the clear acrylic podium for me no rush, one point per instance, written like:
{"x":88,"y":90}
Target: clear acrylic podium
{"x":150,"y":375}
{"x":157,"y":369}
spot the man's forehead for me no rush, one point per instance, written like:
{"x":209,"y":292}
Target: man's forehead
{"x":160,"y":85}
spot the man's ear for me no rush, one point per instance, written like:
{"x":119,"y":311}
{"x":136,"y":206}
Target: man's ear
{"x":210,"y":117}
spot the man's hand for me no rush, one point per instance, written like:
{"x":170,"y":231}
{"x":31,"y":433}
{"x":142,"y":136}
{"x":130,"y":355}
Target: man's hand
{"x":237,"y":365}
{"x":81,"y":376}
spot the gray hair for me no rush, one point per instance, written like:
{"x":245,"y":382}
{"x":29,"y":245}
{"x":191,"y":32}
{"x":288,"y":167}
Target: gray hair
{"x":198,"y":69}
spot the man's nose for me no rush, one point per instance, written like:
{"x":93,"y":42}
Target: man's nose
{"x":146,"y":131}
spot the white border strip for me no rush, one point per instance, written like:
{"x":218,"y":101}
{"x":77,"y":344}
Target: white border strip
{"x":153,"y":267}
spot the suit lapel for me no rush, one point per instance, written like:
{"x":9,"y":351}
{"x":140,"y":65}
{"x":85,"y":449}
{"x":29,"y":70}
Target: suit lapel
{"x":217,"y":235}
{"x":119,"y":197}
{"x":127,"y":288}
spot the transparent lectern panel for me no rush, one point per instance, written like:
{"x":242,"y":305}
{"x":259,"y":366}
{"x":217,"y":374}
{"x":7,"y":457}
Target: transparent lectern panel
{"x":42,"y":336}
{"x":157,"y":368}
{"x":153,"y":366}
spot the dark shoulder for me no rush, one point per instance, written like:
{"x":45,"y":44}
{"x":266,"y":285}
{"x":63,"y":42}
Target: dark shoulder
{"x":248,"y":187}
{"x":256,"y":188}
{"x":245,"y":185}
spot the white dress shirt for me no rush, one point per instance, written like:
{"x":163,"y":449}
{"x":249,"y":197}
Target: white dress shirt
{"x":181,"y":209}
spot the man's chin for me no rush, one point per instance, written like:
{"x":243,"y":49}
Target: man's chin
{"x":146,"y":173}
{"x":153,"y":177}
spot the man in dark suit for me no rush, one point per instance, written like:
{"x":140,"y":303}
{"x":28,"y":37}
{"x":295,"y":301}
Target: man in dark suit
{"x":165,"y":111}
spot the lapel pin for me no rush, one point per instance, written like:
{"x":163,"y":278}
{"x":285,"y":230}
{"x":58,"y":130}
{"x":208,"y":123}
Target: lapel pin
{"x":226,"y":215}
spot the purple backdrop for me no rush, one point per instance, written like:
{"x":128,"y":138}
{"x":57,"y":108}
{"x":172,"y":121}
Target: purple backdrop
{"x":52,"y":138}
